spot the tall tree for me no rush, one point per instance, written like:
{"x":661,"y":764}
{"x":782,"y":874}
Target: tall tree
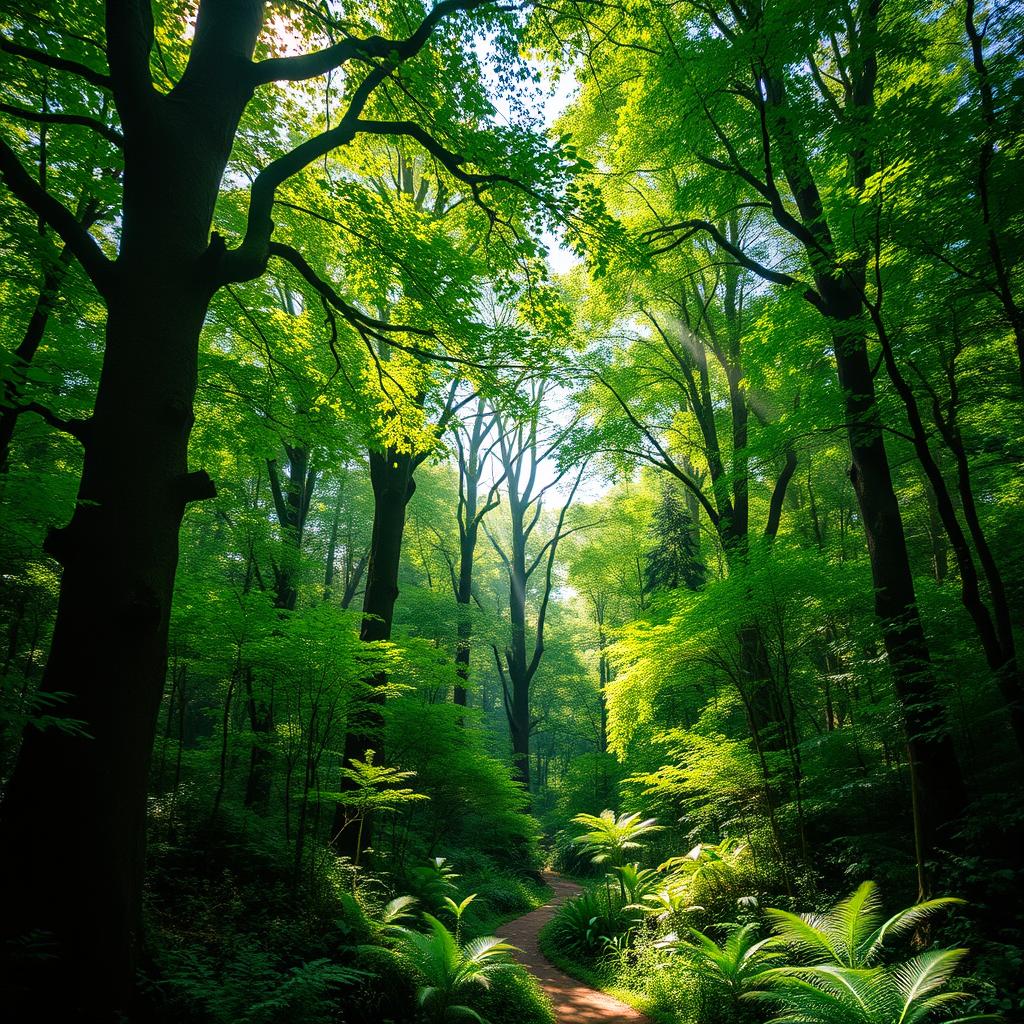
{"x":473,"y":457}
{"x":742,"y":74}
{"x":120,"y":550}
{"x":523,"y":448}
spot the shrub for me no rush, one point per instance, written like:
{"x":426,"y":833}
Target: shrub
{"x":853,"y":931}
{"x":450,"y":972}
{"x":729,"y":971}
{"x":389,"y":996}
{"x":908,"y":992}
{"x":589,"y":922}
{"x":252,"y":987}
{"x":514,"y":998}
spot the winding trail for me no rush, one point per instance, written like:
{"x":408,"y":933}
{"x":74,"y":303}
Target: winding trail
{"x":575,"y":1003}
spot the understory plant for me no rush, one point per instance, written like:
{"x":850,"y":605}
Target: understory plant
{"x":587,"y":923}
{"x":845,"y":982}
{"x":612,"y":839}
{"x":729,"y":971}
{"x":853,"y":931}
{"x":907,"y":993}
{"x":451,"y":970}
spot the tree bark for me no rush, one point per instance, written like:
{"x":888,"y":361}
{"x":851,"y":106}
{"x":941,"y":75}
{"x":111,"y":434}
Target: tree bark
{"x":120,"y":550}
{"x":391,"y":476}
{"x":109,"y":653}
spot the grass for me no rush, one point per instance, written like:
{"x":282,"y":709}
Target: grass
{"x":594,"y":977}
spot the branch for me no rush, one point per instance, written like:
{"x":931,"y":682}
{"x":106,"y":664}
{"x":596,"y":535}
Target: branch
{"x":310,"y":65}
{"x":82,"y":245}
{"x":667,"y":462}
{"x":686,"y":229}
{"x":451,"y":162}
{"x":73,"y":67}
{"x":77,"y":428}
{"x":112,"y":135}
{"x":359,"y":320}
{"x":538,"y":650}
{"x":250,"y":258}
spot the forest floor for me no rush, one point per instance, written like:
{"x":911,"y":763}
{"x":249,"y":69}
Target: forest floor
{"x":574,"y":1002}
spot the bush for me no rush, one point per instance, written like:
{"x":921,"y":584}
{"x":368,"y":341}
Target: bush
{"x":251,"y":987}
{"x":568,"y":858}
{"x":514,"y":998}
{"x":389,"y":996}
{"x":506,"y":894}
{"x":589,"y":923}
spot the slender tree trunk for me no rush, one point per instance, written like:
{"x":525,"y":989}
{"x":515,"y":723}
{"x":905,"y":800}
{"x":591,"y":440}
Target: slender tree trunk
{"x":986,"y":156}
{"x":935,"y":771}
{"x":332,"y":542}
{"x":517,"y":705}
{"x":938,"y":787}
{"x":391,"y":475}
{"x":996,"y":637}
{"x":463,"y":597}
{"x":261,"y":723}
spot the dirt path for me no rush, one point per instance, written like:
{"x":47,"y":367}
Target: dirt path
{"x":575,"y":1003}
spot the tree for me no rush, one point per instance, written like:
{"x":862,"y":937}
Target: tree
{"x":470,"y":512}
{"x":742,"y":75}
{"x":120,"y":550}
{"x":523,"y":447}
{"x":674,"y":561}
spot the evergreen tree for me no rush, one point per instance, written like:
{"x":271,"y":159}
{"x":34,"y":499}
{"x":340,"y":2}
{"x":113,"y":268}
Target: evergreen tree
{"x":675,"y":560}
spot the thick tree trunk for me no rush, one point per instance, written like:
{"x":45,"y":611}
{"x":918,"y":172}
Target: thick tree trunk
{"x":109,"y":654}
{"x":77,"y":876}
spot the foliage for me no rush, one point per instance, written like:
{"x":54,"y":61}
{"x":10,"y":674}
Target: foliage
{"x":450,"y":970}
{"x":853,"y":931}
{"x":616,"y":232}
{"x":611,"y":837}
{"x":587,"y":923}
{"x":914,"y":990}
{"x":730,"y":970}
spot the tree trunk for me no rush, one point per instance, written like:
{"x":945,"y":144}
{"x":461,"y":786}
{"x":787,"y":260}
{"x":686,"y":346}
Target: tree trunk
{"x":936,"y":781}
{"x":391,"y":475}
{"x":938,"y":785}
{"x":463,"y":597}
{"x":517,"y":703}
{"x":120,"y":551}
{"x":109,"y":654}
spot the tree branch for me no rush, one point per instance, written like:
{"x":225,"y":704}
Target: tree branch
{"x":97,"y":78}
{"x":112,"y":135}
{"x":77,"y":428}
{"x":686,"y":229}
{"x":310,"y":65}
{"x":82,"y":245}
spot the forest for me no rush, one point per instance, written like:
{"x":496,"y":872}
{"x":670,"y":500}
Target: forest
{"x":510,"y":511}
